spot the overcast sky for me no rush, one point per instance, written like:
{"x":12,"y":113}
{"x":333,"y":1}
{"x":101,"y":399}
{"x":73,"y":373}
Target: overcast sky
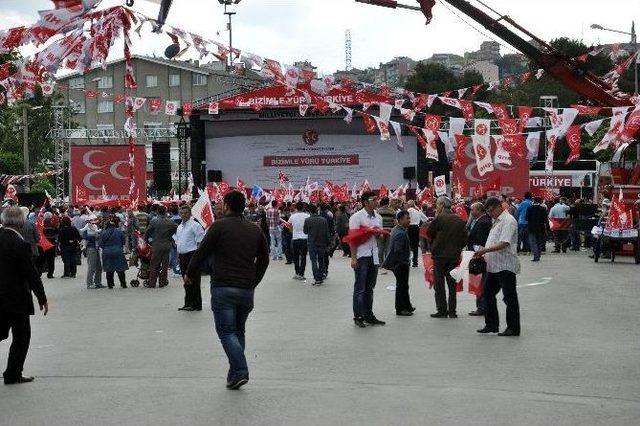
{"x":290,"y":30}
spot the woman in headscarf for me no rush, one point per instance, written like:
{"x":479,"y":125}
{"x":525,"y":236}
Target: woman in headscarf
{"x":112,"y":241}
{"x":90,"y":235}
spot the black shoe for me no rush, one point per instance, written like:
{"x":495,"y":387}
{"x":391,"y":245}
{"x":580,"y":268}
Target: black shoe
{"x":487,"y":330}
{"x":359,"y":322}
{"x":477,"y":313}
{"x":412,"y":309}
{"x":288,"y":262}
{"x":236,"y":384}
{"x":21,"y":379}
{"x":440,"y":315}
{"x":453,"y":315}
{"x":110,"y":286}
{"x":535,"y":260}
{"x":509,"y":332}
{"x":123,"y":285}
{"x":404,"y":313}
{"x":197,"y":309}
{"x":374,"y":321}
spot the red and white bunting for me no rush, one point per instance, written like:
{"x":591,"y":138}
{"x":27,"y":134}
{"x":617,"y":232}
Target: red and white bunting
{"x":440,"y":185}
{"x":383,"y":128}
{"x":501,"y":156}
{"x":482,"y":146}
{"x":187,"y":108}
{"x":533,"y":145}
{"x":385,"y":111}
{"x":171,"y":107}
{"x":213,"y":108}
{"x":552,"y":140}
{"x":397,"y":129}
{"x":432,"y":122}
{"x":202,"y":210}
{"x":574,"y":141}
{"x":431,"y":147}
{"x":616,"y":126}
{"x":302,"y":109}
{"x":524,"y":114}
{"x":592,"y":127}
{"x":10,"y":193}
{"x":138,"y":103}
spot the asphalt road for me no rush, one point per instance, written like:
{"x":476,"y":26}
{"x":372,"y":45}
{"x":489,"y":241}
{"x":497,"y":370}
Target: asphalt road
{"x":128,"y":357}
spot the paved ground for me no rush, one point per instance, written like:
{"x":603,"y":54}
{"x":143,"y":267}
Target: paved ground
{"x":128,"y":357}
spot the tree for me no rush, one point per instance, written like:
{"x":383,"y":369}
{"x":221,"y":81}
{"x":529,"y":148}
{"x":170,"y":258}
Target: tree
{"x":431,"y":77}
{"x":10,"y":163}
{"x":511,"y":64}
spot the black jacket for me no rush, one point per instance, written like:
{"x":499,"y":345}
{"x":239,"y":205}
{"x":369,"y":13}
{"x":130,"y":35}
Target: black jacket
{"x":317,"y":230}
{"x":19,"y":276}
{"x":399,"y":251}
{"x":448,"y":235}
{"x":537,"y":219}
{"x":237,"y":252}
{"x":480,"y":232}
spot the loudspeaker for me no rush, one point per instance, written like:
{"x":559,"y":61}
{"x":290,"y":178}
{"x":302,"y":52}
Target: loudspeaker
{"x":161,"y":154}
{"x":409,"y":173}
{"x":214,"y":176}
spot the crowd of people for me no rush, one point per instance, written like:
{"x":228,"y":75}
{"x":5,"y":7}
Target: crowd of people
{"x":377,"y":235}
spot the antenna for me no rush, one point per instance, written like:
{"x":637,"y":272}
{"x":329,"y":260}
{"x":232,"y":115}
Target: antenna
{"x":347,"y":50}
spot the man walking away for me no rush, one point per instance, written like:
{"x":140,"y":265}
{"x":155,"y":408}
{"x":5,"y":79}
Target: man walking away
{"x":275,"y":231}
{"x":388,"y":216}
{"x":188,"y":236}
{"x":502,"y":267}
{"x":448,"y":237}
{"x":365,"y":261}
{"x":521,"y":212}
{"x":398,"y":261}
{"x":537,"y":219}
{"x":239,"y":255}
{"x":416,"y":217}
{"x":299,"y":240}
{"x":317,"y":230}
{"x":19,"y":279}
{"x":478,"y":228}
{"x":160,"y":231}
{"x":561,"y":236}
{"x":331,"y":223}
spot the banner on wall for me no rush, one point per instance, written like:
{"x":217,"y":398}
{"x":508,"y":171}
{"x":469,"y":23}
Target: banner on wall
{"x":93,"y":167}
{"x":512,"y":180}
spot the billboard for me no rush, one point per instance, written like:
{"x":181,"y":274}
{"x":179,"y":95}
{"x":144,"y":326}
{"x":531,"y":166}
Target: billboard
{"x":510,"y":180}
{"x":258,"y":159}
{"x":95,"y":166}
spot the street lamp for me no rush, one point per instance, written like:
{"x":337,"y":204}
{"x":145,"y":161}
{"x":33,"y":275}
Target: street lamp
{"x":25,"y":139}
{"x":230,"y":14}
{"x":634,"y":42}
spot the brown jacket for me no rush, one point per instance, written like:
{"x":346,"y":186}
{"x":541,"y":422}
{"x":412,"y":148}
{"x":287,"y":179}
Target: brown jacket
{"x":448,"y":235}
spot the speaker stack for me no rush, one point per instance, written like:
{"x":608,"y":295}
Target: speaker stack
{"x":161,"y":152}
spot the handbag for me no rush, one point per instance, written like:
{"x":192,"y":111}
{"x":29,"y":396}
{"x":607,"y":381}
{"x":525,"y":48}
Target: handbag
{"x":477,"y":266}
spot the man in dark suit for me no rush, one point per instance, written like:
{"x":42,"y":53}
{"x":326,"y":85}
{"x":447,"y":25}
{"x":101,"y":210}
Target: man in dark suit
{"x":478,"y":228}
{"x":537,"y":219}
{"x":160,"y":232}
{"x":19,"y":279}
{"x":398,"y":261}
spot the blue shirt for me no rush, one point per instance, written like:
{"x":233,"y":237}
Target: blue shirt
{"x":522,"y":211}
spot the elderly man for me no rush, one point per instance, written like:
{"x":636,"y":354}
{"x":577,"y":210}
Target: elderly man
{"x":448,"y":237}
{"x":478,"y":228}
{"x":188,"y":237}
{"x":502,"y":267}
{"x":160,"y":232}
{"x":19,"y":279}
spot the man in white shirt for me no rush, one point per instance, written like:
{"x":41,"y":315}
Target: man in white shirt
{"x":365,"y":261}
{"x":502,"y":266}
{"x":188,"y":237}
{"x":299,"y":240}
{"x":415,"y":218}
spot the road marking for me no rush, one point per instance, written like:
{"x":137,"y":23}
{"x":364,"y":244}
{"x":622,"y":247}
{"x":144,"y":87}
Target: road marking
{"x":543,"y":281}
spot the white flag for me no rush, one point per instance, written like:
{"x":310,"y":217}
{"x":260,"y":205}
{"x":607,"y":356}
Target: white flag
{"x":171,"y":108}
{"x":441,"y":185}
{"x":214,"y":108}
{"x":592,"y":127}
{"x":533,"y":145}
{"x":385,"y":111}
{"x":202,"y":210}
{"x":431,"y":149}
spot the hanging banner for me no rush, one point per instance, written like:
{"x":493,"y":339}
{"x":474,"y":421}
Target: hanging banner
{"x":441,"y":185}
{"x":94,"y":167}
{"x":482,"y":146}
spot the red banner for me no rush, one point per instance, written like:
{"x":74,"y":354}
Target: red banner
{"x":311,"y":160}
{"x":513,"y":180}
{"x":95,"y":166}
{"x":285,"y":97}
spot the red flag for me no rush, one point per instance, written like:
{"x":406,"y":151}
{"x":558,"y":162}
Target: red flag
{"x":11,"y":193}
{"x":461,"y":211}
{"x":432,"y":122}
{"x":587,"y":110}
{"x":154,"y":105}
{"x":427,"y":261}
{"x":524,"y":113}
{"x":91,"y":94}
{"x":44,"y":243}
{"x":370,"y":124}
{"x":187,"y":108}
{"x":475,"y":284}
{"x":509,"y":126}
{"x":500,"y":111}
{"x":282,"y":177}
{"x":202,"y":210}
{"x":119,"y":98}
{"x":467,"y":109}
{"x":383,"y":192}
{"x":420,"y":102}
{"x":574,"y":141}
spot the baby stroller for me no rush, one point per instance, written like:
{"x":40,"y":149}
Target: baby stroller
{"x":141,"y":258}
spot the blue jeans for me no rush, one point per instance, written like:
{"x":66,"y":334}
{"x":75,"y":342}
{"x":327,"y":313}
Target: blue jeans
{"x":536,"y":241}
{"x":231,"y":307}
{"x":316,"y":254}
{"x":523,"y":238}
{"x":366,"y":275}
{"x":276,"y":242}
{"x":173,"y":260}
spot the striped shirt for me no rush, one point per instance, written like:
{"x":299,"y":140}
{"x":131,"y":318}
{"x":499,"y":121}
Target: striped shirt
{"x":504,"y":229}
{"x":273,"y":218}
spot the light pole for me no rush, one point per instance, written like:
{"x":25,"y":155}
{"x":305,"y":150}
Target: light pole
{"x":230,"y":14}
{"x":25,"y":141}
{"x":634,"y":42}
